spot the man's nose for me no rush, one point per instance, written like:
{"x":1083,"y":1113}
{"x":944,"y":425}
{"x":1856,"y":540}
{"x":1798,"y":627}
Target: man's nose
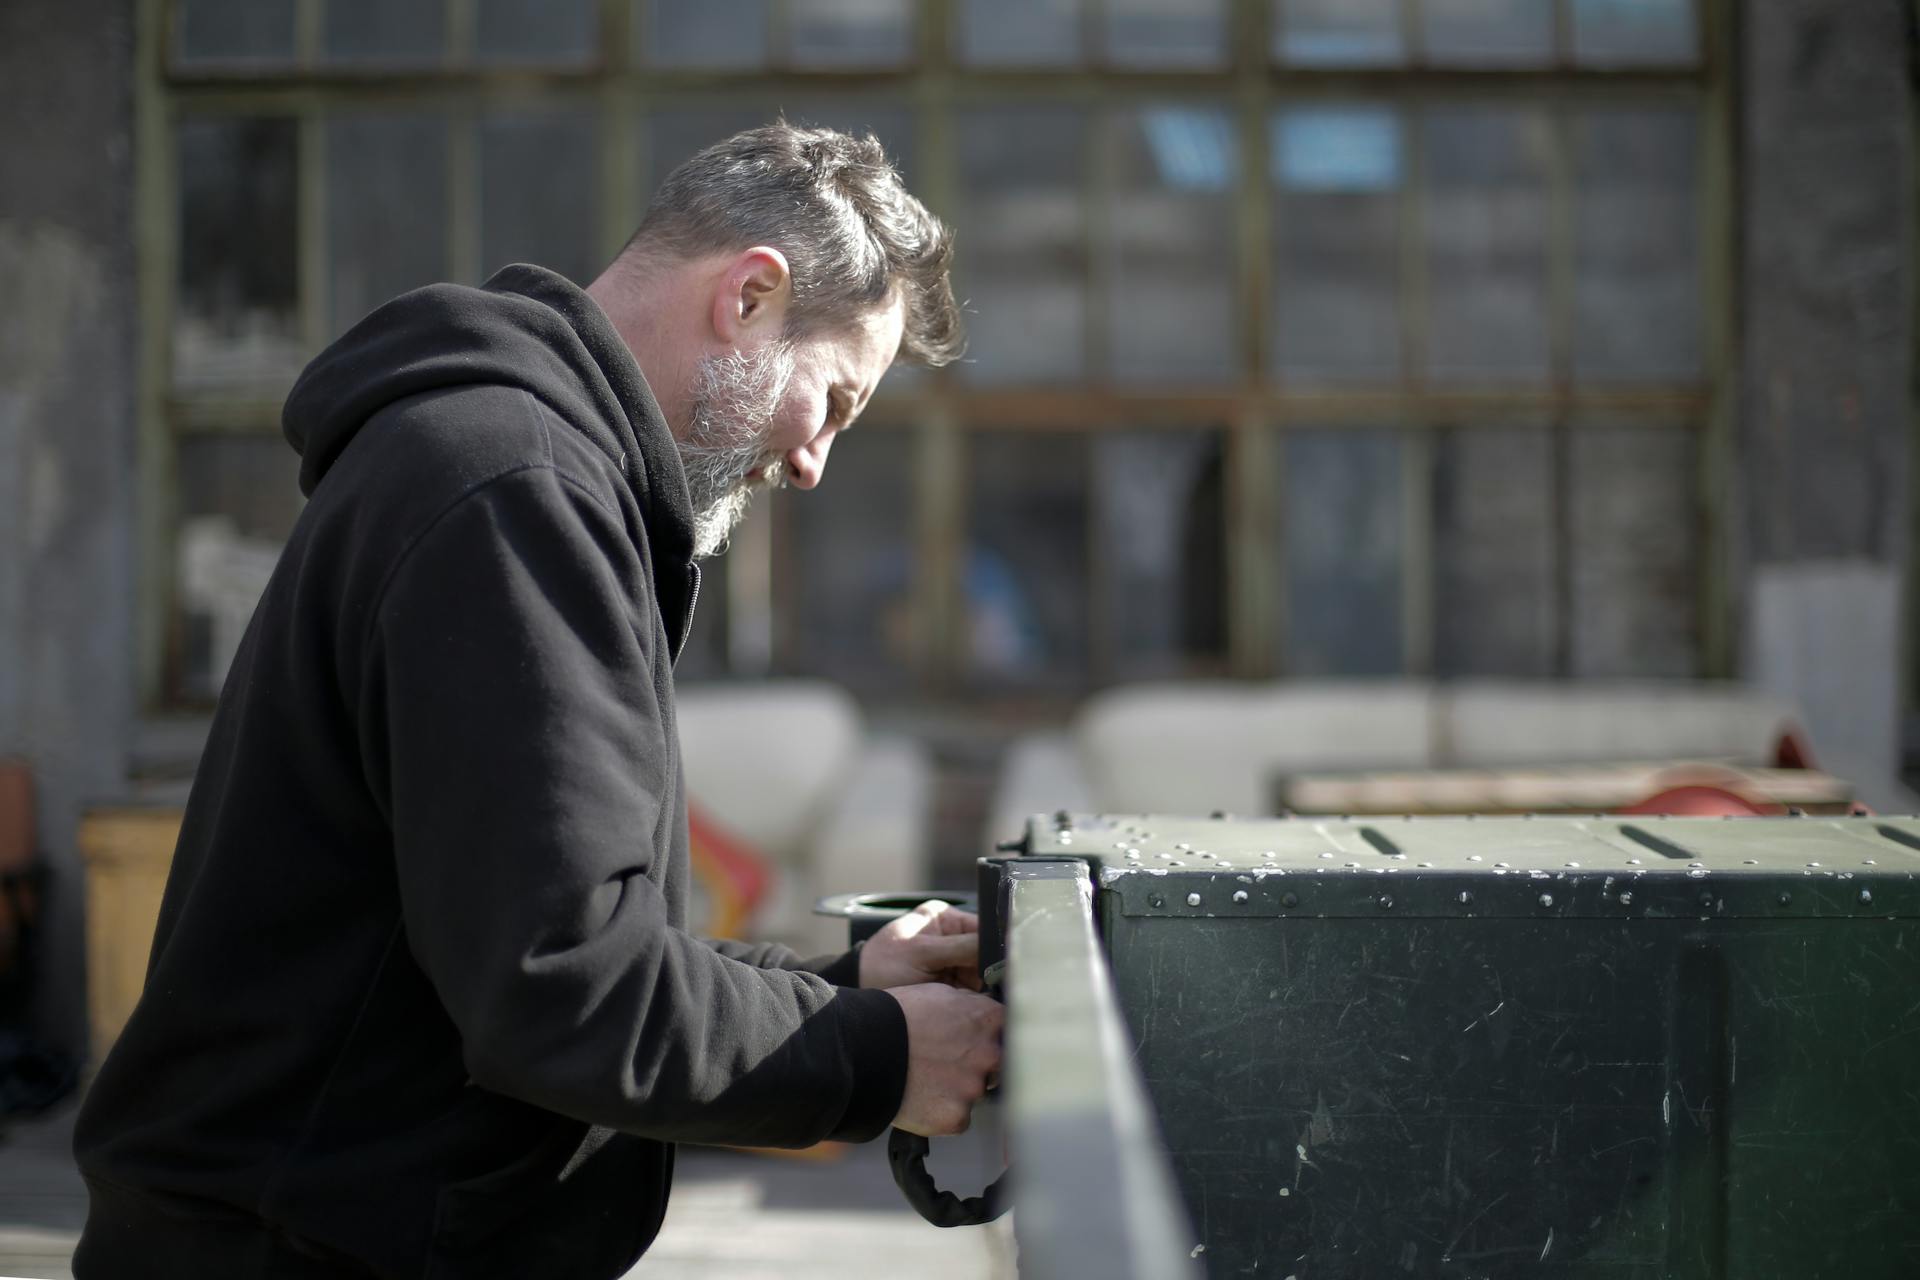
{"x":806,"y":464}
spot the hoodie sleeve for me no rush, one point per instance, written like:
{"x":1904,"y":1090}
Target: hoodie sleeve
{"x":511,"y":697}
{"x":841,"y":968}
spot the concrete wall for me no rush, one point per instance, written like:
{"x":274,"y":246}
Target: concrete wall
{"x":1828,"y":212}
{"x":67,"y":435}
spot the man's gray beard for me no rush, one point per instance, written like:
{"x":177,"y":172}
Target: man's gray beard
{"x":725,"y":455}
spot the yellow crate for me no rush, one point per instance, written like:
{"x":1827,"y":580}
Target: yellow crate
{"x":127,"y":853}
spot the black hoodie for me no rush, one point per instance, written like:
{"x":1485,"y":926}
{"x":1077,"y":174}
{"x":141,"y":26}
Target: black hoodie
{"x":420,"y":1002}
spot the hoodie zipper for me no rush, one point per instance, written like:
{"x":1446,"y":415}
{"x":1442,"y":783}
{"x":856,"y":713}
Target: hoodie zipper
{"x":686,"y":625}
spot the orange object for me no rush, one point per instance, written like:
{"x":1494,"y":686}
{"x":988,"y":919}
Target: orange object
{"x":19,"y":901}
{"x":731,"y":877}
{"x":1792,"y":751}
{"x":1698,"y":800}
{"x":16,"y":816}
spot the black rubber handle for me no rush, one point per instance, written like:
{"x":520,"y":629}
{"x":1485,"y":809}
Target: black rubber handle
{"x":907,"y":1156}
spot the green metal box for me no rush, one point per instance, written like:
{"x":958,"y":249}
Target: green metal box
{"x":1600,"y":1047}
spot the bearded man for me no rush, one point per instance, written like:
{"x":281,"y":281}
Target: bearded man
{"x":421,"y":1001}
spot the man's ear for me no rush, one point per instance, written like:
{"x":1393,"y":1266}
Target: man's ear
{"x":752,"y":297}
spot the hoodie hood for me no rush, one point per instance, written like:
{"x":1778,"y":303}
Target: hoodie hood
{"x":526,"y":327}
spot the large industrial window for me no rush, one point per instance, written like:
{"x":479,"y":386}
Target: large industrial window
{"x":1309,"y":336}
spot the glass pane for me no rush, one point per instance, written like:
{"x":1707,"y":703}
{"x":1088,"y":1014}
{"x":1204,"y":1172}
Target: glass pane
{"x":1020,"y":33}
{"x":546,"y":31}
{"x":1026,"y":559}
{"x":1170,"y":304}
{"x":385,"y":31}
{"x":1637,"y":286}
{"x":1338,"y":33}
{"x":1021,"y":269}
{"x":386,"y":209}
{"x":1493,"y":540}
{"x":1635,"y":32}
{"x":236,"y":312}
{"x":217,"y":32}
{"x":539,"y":192}
{"x":1160,"y":551}
{"x":1487,"y":245}
{"x":1345,"y":539}
{"x":1338,"y":173}
{"x":1167,"y":33}
{"x":1635,"y":552}
{"x":887,"y":119}
{"x":851,"y":33}
{"x":846,"y":563}
{"x":675,"y":135}
{"x":239,"y":497}
{"x":706,"y":33}
{"x":1489,"y":32}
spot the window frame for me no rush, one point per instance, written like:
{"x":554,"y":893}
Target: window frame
{"x":1253,"y":412}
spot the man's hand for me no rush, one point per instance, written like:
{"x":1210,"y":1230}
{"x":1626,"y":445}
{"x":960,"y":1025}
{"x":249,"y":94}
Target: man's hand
{"x":934,"y":942}
{"x":953,"y":1050}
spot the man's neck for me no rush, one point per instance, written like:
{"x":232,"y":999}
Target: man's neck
{"x":643,"y":302}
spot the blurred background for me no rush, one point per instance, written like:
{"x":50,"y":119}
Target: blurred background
{"x":1472,"y":386}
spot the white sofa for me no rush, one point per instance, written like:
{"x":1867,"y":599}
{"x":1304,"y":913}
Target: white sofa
{"x":1199,"y":746}
{"x":789,"y":768}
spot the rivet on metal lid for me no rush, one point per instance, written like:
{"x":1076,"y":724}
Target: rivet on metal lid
{"x":1239,"y":895}
{"x":1193,"y":899}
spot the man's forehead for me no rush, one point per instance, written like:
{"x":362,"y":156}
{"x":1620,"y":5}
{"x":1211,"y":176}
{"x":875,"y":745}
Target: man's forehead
{"x":882,"y":328}
{"x":862,"y":352}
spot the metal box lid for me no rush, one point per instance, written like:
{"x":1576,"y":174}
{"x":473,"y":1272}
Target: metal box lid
{"x":1538,"y":867}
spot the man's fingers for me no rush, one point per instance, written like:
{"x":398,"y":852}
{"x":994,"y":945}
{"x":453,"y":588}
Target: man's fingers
{"x":958,"y":920}
{"x":948,"y":951}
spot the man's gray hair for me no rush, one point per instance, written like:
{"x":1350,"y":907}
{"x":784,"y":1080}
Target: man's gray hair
{"x":835,"y":206}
